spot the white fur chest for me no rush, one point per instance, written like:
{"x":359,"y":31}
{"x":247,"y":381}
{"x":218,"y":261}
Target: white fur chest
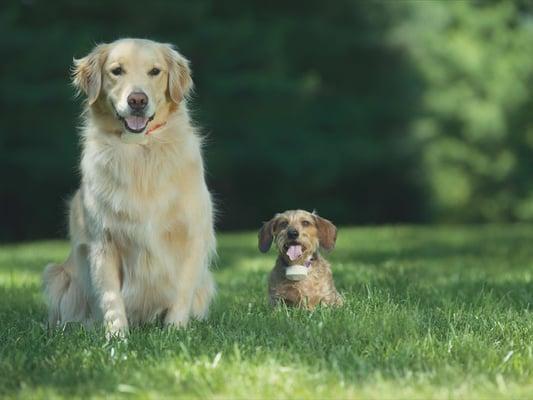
{"x":138,"y":196}
{"x":131,"y":191}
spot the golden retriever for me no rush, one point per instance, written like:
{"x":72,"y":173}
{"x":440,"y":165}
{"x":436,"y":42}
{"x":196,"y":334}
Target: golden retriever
{"x":141,"y":224}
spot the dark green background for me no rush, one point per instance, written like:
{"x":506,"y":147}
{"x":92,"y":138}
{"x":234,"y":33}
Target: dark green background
{"x":370,"y":112}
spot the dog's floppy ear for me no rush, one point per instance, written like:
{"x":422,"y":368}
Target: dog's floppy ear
{"x":266,"y":235}
{"x":327,"y":233}
{"x":179,"y":74}
{"x":87,"y":73}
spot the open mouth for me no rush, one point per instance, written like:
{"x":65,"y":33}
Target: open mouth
{"x":135,"y":123}
{"x":293,"y":250}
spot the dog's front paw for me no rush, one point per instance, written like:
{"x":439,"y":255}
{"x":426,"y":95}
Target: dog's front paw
{"x":177,"y":323}
{"x":116,"y":329}
{"x":177,"y":320}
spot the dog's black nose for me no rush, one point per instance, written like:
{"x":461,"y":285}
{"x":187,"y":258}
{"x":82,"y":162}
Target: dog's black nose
{"x":137,"y":101}
{"x":292,"y":233}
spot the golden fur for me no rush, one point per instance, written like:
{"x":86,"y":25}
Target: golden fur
{"x":141,"y":224}
{"x":314,"y":232}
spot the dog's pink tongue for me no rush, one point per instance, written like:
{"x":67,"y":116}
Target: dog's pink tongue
{"x":294,"y":252}
{"x":136,"y":123}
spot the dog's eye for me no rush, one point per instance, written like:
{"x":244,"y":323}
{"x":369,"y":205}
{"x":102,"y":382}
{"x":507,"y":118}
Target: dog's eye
{"x":306,"y":223}
{"x":117,"y":71}
{"x":154,"y":72}
{"x":282,"y":224}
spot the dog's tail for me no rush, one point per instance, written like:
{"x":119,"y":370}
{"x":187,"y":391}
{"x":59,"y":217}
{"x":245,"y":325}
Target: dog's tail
{"x":66,"y":299}
{"x":65,"y":294}
{"x":56,"y":283}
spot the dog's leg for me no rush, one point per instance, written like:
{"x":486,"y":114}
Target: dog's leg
{"x":105,"y":279}
{"x":193,"y":270}
{"x":203,"y":295}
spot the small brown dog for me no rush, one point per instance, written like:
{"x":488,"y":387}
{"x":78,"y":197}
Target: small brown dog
{"x":301,"y":276}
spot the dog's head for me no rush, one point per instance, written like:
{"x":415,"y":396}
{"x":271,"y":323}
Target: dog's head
{"x":298,"y":234}
{"x":133,"y":81}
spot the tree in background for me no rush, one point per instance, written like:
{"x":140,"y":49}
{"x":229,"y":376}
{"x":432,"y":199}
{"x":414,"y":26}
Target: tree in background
{"x":304,"y":105}
{"x":475,"y":130}
{"x":371,"y":112}
{"x":309,"y":108}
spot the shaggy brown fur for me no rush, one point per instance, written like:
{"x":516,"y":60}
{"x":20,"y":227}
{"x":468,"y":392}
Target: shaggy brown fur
{"x":314,"y":233}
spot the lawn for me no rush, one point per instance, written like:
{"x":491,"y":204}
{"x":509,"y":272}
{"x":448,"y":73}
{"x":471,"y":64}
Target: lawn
{"x":430,"y":313}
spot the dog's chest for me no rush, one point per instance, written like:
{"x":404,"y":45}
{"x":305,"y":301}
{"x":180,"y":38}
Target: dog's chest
{"x":316,"y":283}
{"x":140,"y":194}
{"x":148,"y":206}
{"x":316,"y":287}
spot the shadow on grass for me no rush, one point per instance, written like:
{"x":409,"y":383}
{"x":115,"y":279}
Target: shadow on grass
{"x":354,"y":342}
{"x":437,"y":249}
{"x":232,"y":254}
{"x":395,"y":295}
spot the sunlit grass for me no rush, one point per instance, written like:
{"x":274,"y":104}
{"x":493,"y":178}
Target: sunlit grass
{"x":430,"y":313}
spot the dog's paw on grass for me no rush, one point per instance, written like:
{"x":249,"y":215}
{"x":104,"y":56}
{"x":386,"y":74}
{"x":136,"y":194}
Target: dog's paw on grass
{"x":429,"y":313}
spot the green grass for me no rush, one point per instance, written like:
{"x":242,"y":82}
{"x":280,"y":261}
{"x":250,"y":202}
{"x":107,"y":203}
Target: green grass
{"x":430,"y":313}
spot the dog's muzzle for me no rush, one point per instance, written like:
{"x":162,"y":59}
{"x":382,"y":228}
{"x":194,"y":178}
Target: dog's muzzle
{"x":136,"y":123}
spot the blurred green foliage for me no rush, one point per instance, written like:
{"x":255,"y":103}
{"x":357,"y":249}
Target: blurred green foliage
{"x":475,"y":131}
{"x":368,"y":111}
